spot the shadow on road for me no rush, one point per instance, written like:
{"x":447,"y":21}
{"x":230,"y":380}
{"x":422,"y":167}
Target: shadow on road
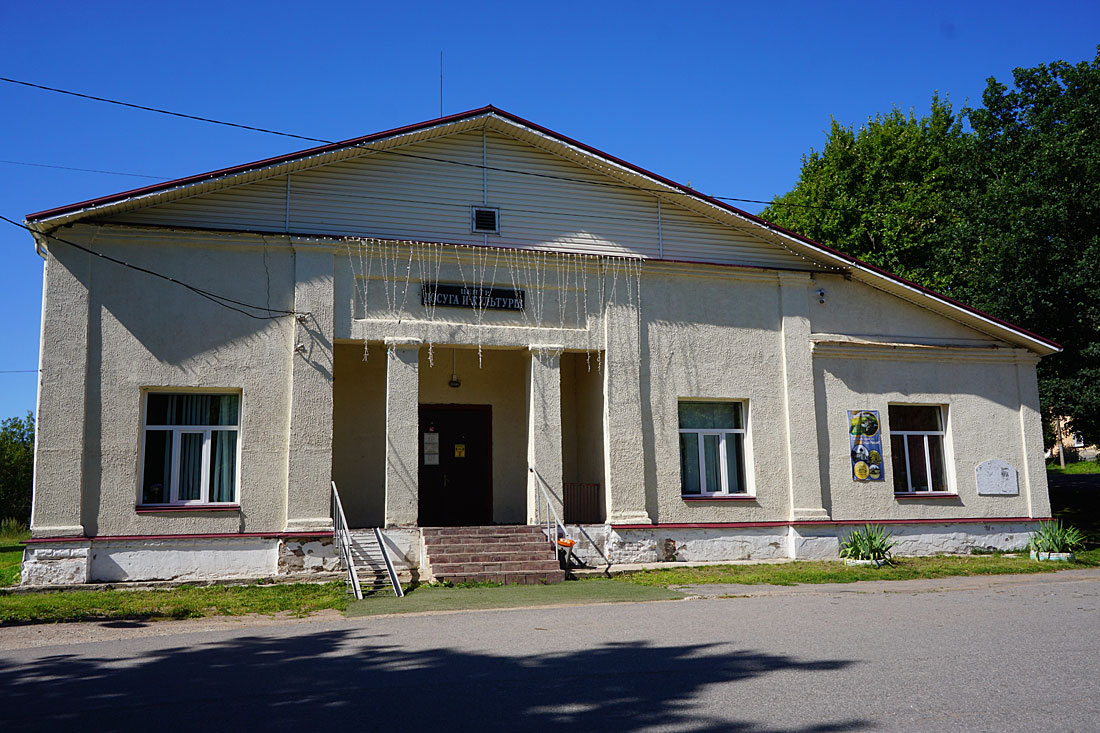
{"x":347,"y":678}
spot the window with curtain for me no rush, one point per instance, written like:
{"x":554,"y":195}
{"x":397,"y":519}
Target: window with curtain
{"x":190,"y":448}
{"x":917,"y":449}
{"x":712,"y":449}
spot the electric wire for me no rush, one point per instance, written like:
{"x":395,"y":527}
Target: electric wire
{"x":83,"y":170}
{"x":213,"y":297}
{"x":480,"y":166}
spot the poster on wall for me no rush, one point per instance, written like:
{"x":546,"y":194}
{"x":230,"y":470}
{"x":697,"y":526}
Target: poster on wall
{"x":865,"y":441}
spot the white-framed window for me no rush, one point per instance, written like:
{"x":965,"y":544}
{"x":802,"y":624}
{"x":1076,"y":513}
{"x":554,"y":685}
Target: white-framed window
{"x":917,"y":446}
{"x":712,"y":449}
{"x":190,"y":448}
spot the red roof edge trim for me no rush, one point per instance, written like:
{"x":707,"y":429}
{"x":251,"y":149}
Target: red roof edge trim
{"x":200,"y":177}
{"x":775,"y":227}
{"x":568,"y":141}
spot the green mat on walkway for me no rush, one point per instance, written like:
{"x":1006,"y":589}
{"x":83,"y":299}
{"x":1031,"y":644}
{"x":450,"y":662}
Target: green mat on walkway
{"x":426,"y":598}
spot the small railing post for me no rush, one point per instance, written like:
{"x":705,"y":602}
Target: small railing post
{"x":554,"y":526}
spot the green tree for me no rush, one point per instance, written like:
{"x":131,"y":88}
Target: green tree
{"x":1004,"y":216}
{"x":885,"y":193}
{"x":1035,"y":218}
{"x":16,"y":467}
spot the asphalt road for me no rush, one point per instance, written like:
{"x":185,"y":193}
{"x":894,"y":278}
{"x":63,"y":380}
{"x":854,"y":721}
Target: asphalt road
{"x":1018,"y":653}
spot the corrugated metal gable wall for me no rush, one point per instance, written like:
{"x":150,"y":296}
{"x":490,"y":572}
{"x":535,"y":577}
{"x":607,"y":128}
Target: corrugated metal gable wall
{"x":405,"y":197}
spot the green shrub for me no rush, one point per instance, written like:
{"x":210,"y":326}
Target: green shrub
{"x":12,"y":529}
{"x":870,"y":543}
{"x":1053,"y":536}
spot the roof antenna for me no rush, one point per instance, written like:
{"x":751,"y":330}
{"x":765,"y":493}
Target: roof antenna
{"x":440,"y":85}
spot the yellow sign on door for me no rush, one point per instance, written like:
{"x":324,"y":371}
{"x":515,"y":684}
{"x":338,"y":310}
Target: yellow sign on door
{"x":460,"y":450}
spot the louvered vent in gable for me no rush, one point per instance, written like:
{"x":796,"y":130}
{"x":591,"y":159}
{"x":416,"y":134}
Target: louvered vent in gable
{"x":484,"y":220}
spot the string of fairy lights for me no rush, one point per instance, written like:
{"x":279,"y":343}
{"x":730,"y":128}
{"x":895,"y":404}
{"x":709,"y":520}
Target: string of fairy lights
{"x":258,"y":312}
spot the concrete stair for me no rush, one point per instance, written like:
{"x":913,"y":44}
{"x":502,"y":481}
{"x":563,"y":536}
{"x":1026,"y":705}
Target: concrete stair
{"x":499,"y":554}
{"x":366,"y":555}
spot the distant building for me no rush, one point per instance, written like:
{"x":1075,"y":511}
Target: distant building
{"x":462,"y":319}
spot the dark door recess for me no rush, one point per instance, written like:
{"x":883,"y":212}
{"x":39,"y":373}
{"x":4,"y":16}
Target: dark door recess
{"x":456,"y":465}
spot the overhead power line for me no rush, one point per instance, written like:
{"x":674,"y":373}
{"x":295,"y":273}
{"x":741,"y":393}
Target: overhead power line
{"x":222,"y":300}
{"x":83,"y":170}
{"x":159,"y":111}
{"x":479,"y":166}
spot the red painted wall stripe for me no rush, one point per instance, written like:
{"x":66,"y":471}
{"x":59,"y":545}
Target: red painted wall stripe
{"x":222,"y":536}
{"x":827,"y":523}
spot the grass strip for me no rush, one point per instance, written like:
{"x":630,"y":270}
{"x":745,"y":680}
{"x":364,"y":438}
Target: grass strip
{"x":300,"y":599}
{"x":437,"y":598}
{"x":11,"y":555}
{"x":1074,"y":468}
{"x":831,"y":571}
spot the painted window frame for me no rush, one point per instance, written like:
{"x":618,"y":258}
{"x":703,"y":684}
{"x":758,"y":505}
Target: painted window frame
{"x":945,"y":452}
{"x":177,"y":432}
{"x":723,"y":462}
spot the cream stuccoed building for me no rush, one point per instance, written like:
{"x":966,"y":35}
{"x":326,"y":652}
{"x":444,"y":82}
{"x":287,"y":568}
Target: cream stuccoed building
{"x":478,"y":322}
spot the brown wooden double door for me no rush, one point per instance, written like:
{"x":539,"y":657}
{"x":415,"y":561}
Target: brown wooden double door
{"x":456,"y":465}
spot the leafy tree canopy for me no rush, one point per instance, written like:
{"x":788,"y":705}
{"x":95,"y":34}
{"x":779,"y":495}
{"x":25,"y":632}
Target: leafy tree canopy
{"x":1003,"y":214}
{"x":883,"y":192}
{"x":16,"y":467}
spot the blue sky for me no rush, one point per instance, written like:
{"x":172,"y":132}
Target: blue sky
{"x":726,"y":96}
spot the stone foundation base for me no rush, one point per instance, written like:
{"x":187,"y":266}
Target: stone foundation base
{"x":110,"y":561}
{"x":61,"y":563}
{"x":599,"y":544}
{"x":303,"y":557}
{"x":72,"y":562}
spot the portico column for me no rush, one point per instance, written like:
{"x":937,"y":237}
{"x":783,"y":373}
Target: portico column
{"x":544,"y":455}
{"x":309,"y":462}
{"x":800,"y":417}
{"x":624,"y":447}
{"x":402,"y":432}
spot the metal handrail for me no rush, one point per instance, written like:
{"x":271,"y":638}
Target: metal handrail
{"x":555,"y":528}
{"x":341,"y":536}
{"x":389,"y":563}
{"x":552,"y":534}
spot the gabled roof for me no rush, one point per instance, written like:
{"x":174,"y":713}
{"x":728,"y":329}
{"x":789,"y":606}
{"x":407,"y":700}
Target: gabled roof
{"x":490,"y":117}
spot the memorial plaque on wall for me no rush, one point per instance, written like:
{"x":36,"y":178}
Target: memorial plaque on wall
{"x":996,"y":478}
{"x":454,"y":295}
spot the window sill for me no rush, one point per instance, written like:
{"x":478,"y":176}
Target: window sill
{"x":730,"y":497}
{"x":169,"y":509}
{"x":927,"y":495}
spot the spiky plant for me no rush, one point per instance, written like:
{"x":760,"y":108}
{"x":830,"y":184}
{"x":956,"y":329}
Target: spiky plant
{"x":1053,"y":536}
{"x":870,"y":543}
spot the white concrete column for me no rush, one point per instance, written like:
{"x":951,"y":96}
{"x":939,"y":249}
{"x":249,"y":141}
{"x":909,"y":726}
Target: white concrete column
{"x":800,"y":417}
{"x":544,"y":429}
{"x":62,"y":393}
{"x":624,"y":457}
{"x":1032,"y":472}
{"x":402,"y":432}
{"x":309,"y":459}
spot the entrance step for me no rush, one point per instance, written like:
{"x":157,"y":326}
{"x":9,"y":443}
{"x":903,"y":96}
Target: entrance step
{"x":506,"y":554}
{"x":370,"y":566}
